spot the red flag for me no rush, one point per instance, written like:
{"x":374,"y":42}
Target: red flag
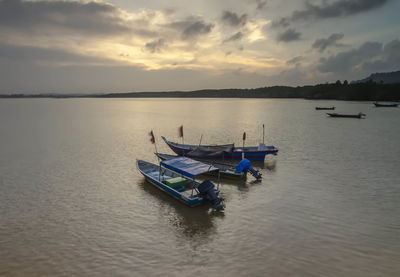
{"x":181,"y":131}
{"x":152,"y":139}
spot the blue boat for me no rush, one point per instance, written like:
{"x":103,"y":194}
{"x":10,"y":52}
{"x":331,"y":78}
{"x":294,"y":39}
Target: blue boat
{"x":176,"y":177}
{"x":225,"y":170}
{"x":227,"y":151}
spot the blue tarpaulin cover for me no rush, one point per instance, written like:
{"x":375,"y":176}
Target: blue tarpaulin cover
{"x":243,"y":165}
{"x":187,"y":166}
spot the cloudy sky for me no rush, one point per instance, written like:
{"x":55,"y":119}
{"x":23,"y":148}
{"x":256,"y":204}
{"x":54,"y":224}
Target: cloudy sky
{"x":153,"y":45}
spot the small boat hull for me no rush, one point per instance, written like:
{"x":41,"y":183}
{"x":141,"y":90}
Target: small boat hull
{"x":151,"y":174}
{"x":381,"y":105}
{"x":251,"y":153}
{"x":324,"y":108}
{"x":360,"y":115}
{"x":179,"y":185}
{"x":172,"y":193}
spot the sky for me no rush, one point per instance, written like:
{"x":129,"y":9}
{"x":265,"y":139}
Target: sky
{"x":152,"y":45}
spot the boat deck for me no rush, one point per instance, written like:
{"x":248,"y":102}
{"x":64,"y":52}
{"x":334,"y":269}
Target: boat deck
{"x":167,"y":175}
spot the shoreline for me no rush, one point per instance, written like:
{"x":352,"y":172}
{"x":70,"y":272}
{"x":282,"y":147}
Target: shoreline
{"x":369,"y":91}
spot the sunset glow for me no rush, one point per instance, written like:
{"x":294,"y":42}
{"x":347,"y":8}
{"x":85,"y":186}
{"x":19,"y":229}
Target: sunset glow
{"x":272,"y":41}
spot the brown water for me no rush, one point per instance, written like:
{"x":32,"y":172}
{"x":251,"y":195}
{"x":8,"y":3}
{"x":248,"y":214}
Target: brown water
{"x":72,"y":202}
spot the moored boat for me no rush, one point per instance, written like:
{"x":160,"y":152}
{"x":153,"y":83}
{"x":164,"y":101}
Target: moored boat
{"x":386,"y":105}
{"x":225,"y":170}
{"x":359,"y":115}
{"x":227,"y":151}
{"x":324,"y":108}
{"x":176,"y":177}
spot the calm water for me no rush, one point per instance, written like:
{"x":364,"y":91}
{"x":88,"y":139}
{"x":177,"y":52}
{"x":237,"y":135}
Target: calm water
{"x":73,"y":203}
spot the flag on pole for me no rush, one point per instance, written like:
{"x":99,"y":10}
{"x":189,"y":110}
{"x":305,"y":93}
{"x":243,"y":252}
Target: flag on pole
{"x":152,"y":139}
{"x":181,"y":131}
{"x":244,"y":136}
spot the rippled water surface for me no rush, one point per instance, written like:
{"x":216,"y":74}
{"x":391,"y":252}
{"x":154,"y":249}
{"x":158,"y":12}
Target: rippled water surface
{"x":73,"y":203}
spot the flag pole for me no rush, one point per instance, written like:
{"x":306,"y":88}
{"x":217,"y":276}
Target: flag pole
{"x":244,"y":138}
{"x":263,"y":133}
{"x":155,"y":146}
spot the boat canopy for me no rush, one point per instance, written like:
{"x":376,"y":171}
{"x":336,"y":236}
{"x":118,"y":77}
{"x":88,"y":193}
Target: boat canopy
{"x":188,"y":167}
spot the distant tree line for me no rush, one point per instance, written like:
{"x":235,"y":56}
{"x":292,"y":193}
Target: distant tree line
{"x":368,"y":91}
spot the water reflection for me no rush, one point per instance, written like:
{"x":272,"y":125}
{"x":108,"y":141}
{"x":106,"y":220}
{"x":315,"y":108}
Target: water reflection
{"x":329,"y":208}
{"x":196,"y":221}
{"x":269,"y":163}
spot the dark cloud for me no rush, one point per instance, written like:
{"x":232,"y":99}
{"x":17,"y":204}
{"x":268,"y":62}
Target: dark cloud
{"x":37,"y":55}
{"x":389,"y":61}
{"x":283,"y":22}
{"x":295,"y":60}
{"x":352,"y":59}
{"x":234,"y":19}
{"x":289,"y":35}
{"x":155,"y":46}
{"x":260,"y":4}
{"x":94,"y":18}
{"x":323,"y":43}
{"x":192,"y":27}
{"x":196,"y":29}
{"x":339,"y":8}
{"x":235,"y":37}
{"x":169,"y":11}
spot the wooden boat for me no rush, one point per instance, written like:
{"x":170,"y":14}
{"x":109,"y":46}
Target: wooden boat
{"x":176,"y":177}
{"x":359,"y":115}
{"x":225,"y":170}
{"x":324,"y":108}
{"x":227,"y":151}
{"x":386,"y":105}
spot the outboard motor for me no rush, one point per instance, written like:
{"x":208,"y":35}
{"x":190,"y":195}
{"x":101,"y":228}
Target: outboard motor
{"x":245,"y":166}
{"x":207,"y":191}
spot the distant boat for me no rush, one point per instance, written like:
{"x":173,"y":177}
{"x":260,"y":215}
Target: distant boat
{"x":324,"y":108}
{"x":228,"y":151}
{"x":359,"y":115}
{"x":388,"y":105}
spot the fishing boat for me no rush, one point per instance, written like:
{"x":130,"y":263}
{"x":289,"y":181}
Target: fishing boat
{"x":324,"y":108}
{"x":386,"y":105}
{"x":225,"y":170}
{"x":226,"y":151}
{"x":359,"y":115}
{"x":176,"y":177}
